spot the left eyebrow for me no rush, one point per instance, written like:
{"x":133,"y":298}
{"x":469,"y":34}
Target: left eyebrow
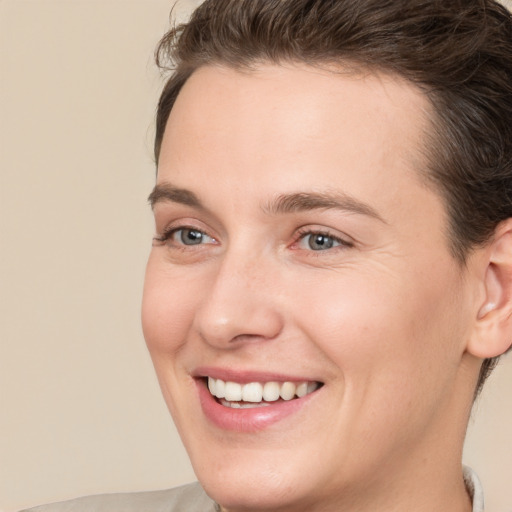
{"x":305,"y":201}
{"x":168,"y":192}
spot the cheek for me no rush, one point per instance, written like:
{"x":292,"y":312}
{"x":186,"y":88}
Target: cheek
{"x":168,"y":306}
{"x":394,"y":351}
{"x":385,"y":331}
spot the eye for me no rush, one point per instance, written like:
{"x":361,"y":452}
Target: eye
{"x":319,"y":241}
{"x":188,"y":236}
{"x":185,"y":236}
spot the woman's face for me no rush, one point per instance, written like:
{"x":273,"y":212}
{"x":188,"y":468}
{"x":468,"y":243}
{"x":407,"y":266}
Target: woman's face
{"x":297,"y":244}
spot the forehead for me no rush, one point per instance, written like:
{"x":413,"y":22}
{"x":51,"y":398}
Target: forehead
{"x":295,"y":127}
{"x":377,"y":115}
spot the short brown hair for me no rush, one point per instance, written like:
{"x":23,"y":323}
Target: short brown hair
{"x":459,"y":52}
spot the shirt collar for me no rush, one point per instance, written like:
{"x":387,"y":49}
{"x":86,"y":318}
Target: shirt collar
{"x":474,"y":488}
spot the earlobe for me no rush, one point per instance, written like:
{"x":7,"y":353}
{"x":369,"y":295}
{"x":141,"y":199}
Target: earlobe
{"x":493,"y":334}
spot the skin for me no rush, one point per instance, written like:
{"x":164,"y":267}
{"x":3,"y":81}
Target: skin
{"x":383,"y":319}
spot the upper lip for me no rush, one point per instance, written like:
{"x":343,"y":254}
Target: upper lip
{"x":246,"y":376}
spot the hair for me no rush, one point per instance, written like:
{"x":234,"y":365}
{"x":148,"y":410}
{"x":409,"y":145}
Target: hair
{"x":458,"y":52}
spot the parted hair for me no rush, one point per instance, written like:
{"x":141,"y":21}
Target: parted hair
{"x":458,"y":52}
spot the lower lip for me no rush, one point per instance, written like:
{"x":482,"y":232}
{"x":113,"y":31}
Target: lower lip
{"x":247,"y":420}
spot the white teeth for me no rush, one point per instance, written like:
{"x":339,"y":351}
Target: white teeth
{"x":288,"y":390}
{"x":252,"y":392}
{"x":233,"y":392}
{"x":211,"y":386}
{"x":220,"y":388}
{"x":256,"y":392}
{"x":271,"y":391}
{"x":242,"y":405}
{"x":302,"y":389}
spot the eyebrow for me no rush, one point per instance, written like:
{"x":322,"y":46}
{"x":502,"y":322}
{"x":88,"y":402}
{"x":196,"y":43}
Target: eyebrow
{"x":305,"y":201}
{"x":286,"y":203}
{"x":168,"y":192}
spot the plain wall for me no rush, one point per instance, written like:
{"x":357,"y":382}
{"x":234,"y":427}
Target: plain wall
{"x":80,"y":408}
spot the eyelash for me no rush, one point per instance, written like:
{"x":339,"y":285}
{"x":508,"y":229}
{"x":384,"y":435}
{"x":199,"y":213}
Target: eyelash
{"x":171,"y":231}
{"x":301,"y":236}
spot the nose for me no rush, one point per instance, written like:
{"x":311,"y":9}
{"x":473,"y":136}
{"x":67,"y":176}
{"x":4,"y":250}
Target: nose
{"x":241,"y":304}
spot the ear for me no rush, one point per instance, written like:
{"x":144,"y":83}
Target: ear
{"x":493,"y":334}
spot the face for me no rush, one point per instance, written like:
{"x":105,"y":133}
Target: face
{"x":301,"y":268}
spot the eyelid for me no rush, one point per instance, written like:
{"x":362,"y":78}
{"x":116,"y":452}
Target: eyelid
{"x":173,"y":228}
{"x":344,"y":241}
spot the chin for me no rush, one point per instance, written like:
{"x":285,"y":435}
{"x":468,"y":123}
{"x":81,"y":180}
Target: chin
{"x":267,"y":489}
{"x":257,"y":478}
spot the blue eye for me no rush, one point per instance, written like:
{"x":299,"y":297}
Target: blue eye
{"x":189,"y":236}
{"x":184,"y":237}
{"x":320,"y":241}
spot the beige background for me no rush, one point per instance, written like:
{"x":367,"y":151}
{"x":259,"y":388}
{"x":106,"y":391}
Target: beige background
{"x":80,"y":410}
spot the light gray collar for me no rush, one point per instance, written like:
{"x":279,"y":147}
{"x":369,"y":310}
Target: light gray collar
{"x":474,"y":488}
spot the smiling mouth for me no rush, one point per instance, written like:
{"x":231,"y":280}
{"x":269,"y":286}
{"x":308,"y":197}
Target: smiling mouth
{"x":258,"y":394}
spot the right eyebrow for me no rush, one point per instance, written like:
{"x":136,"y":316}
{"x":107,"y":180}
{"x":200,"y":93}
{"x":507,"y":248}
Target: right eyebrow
{"x":168,"y":192}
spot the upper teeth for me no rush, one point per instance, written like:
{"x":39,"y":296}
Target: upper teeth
{"x":257,"y":391}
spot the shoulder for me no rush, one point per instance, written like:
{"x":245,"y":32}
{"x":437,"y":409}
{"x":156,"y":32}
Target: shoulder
{"x":189,"y":497}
